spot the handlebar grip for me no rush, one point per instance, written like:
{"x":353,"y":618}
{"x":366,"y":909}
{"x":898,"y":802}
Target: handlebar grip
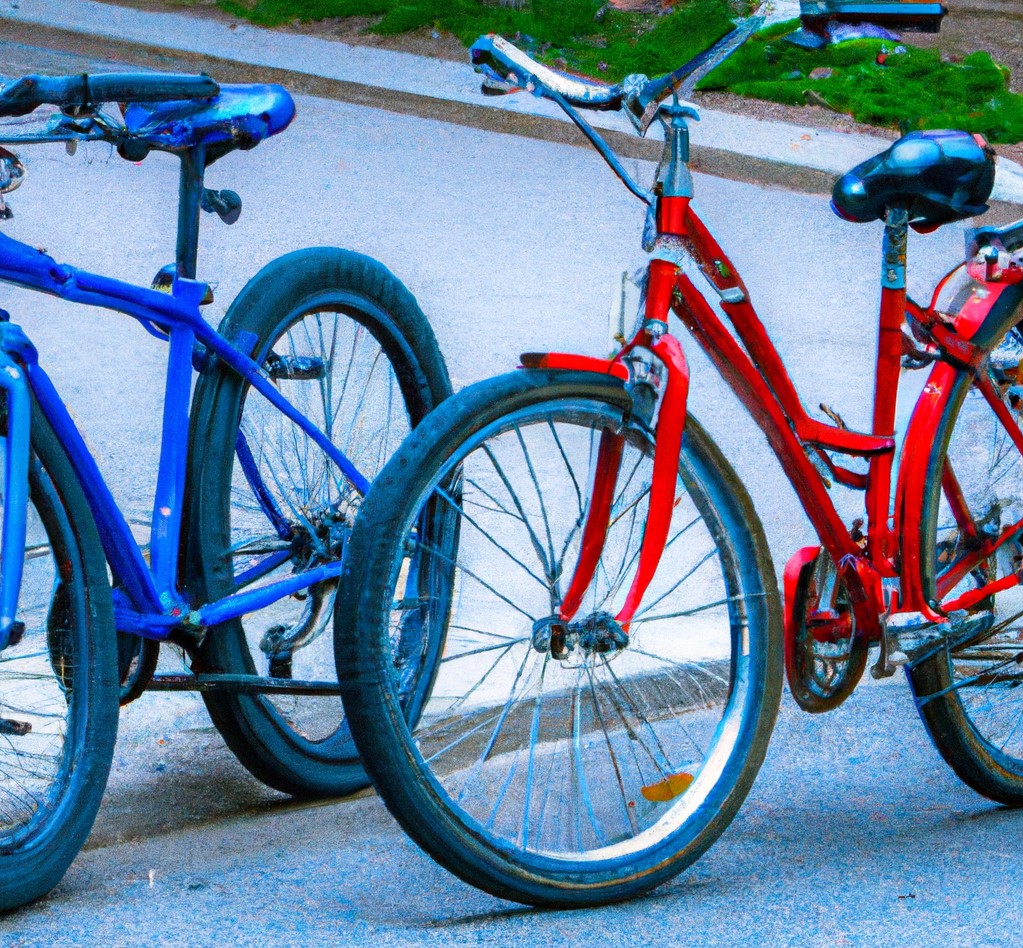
{"x":508,"y":67}
{"x":29,"y":92}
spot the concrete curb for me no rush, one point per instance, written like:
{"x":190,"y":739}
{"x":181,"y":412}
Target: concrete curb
{"x":724,"y":145}
{"x":720,"y":162}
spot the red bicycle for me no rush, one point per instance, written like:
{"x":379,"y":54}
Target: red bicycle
{"x":576,"y":564}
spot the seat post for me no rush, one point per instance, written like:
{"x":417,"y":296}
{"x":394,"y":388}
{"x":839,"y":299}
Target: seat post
{"x":886,"y":385}
{"x":190,"y":187}
{"x":893,"y":248}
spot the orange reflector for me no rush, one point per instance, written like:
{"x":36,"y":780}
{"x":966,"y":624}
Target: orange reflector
{"x":667,"y":789}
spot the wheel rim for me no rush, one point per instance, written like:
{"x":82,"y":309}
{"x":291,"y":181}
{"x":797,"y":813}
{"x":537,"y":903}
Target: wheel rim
{"x":601,"y":754}
{"x":43,"y":677}
{"x":333,"y":369}
{"x":985,"y":678}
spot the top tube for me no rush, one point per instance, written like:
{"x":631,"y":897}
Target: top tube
{"x":25,"y":266}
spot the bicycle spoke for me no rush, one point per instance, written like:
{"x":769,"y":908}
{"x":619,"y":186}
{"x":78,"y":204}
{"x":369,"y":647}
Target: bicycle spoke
{"x":501,"y":718}
{"x":630,"y":817}
{"x":537,"y":545}
{"x":539,"y":496}
{"x":579,"y":769}
{"x":682,"y":613}
{"x":664,"y":762}
{"x":467,"y":572}
{"x":459,"y":508}
{"x":534,"y":736}
{"x":483,"y":649}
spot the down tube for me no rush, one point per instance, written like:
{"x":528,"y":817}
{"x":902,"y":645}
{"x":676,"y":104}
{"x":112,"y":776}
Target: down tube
{"x":120,"y":547}
{"x":742,"y":377}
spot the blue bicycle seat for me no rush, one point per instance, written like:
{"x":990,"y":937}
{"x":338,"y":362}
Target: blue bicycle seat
{"x":241,"y":116}
{"x":939,"y":176}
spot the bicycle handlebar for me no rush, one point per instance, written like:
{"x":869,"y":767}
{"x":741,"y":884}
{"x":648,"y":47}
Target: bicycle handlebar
{"x":29,"y":92}
{"x":508,"y":68}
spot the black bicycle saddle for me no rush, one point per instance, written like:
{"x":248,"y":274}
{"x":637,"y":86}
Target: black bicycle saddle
{"x":939,"y":176}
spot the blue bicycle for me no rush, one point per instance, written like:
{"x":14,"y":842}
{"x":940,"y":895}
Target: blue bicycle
{"x":320,"y":367}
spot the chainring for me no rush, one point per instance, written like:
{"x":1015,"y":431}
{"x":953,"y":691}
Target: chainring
{"x":824,"y":657}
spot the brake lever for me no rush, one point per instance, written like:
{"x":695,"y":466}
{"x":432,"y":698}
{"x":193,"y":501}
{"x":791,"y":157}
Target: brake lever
{"x":498,"y":87}
{"x":643,"y":98}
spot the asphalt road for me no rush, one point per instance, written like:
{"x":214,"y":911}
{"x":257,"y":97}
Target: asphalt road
{"x":854,"y":834}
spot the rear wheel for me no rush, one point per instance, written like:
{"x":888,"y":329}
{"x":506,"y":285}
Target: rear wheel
{"x":58,"y":684}
{"x":552,"y":763}
{"x":971,"y":696}
{"x":348,"y":346}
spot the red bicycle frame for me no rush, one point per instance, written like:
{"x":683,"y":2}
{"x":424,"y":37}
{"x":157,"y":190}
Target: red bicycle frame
{"x":749,"y":362}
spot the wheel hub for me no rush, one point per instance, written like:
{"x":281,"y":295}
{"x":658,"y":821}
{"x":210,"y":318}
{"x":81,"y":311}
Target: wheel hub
{"x":326,"y":541}
{"x":599,"y":633}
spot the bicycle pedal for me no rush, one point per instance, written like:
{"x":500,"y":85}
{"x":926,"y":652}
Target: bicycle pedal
{"x":295,"y":368}
{"x":910,"y":637}
{"x":904,"y":635}
{"x":892,"y":662}
{"x":909,"y":632}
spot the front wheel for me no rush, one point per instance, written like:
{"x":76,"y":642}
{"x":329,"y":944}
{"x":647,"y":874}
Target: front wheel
{"x":561,"y":765}
{"x":58,"y":684}
{"x":346,"y":343}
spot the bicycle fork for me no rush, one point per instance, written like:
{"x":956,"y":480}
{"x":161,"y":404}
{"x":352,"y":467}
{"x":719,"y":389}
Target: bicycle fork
{"x":15,"y":476}
{"x":667,"y":451}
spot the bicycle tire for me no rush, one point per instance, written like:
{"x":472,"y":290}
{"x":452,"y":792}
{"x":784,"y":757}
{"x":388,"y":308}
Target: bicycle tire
{"x":59,"y":681}
{"x":968,"y":699}
{"x":592,"y":842}
{"x":299,"y":744}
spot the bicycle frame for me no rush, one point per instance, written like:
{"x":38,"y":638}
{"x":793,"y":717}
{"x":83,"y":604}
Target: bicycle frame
{"x":881,"y":569}
{"x":152,"y":604}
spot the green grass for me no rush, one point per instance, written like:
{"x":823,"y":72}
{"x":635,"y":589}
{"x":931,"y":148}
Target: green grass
{"x":913,"y":89}
{"x":566,"y":30}
{"x":549,"y":21}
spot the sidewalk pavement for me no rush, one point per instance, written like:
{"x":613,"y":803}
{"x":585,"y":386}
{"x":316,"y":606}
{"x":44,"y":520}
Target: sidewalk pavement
{"x":726,"y":145}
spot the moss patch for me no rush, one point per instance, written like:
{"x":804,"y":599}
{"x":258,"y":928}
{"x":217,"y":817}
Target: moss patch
{"x":909,"y":87}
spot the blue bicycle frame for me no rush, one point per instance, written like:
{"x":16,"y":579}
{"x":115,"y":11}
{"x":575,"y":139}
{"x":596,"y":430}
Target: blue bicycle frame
{"x":149,"y":602}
